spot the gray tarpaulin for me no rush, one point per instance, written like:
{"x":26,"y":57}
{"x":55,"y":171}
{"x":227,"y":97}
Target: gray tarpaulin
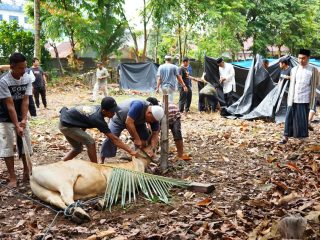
{"x":138,"y":76}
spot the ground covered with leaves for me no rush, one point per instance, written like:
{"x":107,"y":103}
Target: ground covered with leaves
{"x":257,"y":182}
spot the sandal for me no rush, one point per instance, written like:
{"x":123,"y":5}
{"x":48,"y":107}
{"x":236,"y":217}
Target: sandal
{"x":283,"y":141}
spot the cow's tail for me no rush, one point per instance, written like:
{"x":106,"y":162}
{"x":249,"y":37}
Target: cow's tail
{"x":27,"y":154}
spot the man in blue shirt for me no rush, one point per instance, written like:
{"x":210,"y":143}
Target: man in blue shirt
{"x":167,"y":74}
{"x":74,"y":122}
{"x":133,"y":116}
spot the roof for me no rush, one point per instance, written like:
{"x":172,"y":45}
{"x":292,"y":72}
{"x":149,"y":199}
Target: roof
{"x":9,"y":7}
{"x":64,"y":49}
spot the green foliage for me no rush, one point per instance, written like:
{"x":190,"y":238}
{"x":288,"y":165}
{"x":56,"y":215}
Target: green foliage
{"x":14,"y":38}
{"x":127,"y":183}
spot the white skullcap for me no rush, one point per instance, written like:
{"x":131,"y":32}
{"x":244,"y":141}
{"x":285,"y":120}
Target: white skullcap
{"x":167,"y":57}
{"x":157,"y":112}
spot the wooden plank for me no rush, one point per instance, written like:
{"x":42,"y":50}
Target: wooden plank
{"x":201,"y":187}
{"x":164,"y":142}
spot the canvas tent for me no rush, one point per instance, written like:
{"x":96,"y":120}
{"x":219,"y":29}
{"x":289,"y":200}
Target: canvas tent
{"x":261,"y":97}
{"x":138,"y":76}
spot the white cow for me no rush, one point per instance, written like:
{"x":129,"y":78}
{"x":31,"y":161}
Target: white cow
{"x":61,"y":183}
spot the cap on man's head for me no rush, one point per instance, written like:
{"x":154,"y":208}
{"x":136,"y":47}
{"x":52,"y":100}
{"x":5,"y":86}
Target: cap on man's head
{"x":305,"y":52}
{"x":153,"y":101}
{"x":167,"y":57}
{"x":109,"y":104}
{"x":185,"y":59}
{"x":157,"y":112}
{"x":99,"y":63}
{"x":219,"y":60}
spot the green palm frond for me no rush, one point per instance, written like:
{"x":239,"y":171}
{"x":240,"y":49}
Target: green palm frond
{"x":127,"y":183}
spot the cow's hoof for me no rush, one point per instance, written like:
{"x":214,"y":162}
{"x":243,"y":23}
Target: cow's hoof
{"x":80,"y":216}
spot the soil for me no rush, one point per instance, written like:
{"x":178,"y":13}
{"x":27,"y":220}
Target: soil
{"x":257,"y":182}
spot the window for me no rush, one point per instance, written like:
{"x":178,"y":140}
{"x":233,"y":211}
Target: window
{"x":12,"y":18}
{"x":0,"y":17}
{"x":25,"y":20}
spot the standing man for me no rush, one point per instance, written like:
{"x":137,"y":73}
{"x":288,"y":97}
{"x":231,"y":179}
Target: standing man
{"x":101,"y":82}
{"x":285,"y":70}
{"x":133,"y":116}
{"x":304,"y":80}
{"x":227,"y":80}
{"x":185,"y":97}
{"x":15,"y":89}
{"x":39,"y":85}
{"x":167,"y":74}
{"x":74,"y":122}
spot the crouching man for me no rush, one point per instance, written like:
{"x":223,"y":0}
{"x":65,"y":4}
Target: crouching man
{"x":15,"y":89}
{"x":133,"y":116}
{"x":74,"y":122}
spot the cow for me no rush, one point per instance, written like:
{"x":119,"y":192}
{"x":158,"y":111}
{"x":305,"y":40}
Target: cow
{"x":62,"y":183}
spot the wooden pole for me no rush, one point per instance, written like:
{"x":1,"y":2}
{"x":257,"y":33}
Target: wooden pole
{"x":164,"y":135}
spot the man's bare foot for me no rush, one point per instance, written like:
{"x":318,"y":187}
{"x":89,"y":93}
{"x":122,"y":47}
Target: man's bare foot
{"x":12,"y":183}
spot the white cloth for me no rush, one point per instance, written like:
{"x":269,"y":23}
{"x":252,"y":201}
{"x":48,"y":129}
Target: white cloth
{"x":103,"y":72}
{"x":302,"y":88}
{"x":228,"y":72}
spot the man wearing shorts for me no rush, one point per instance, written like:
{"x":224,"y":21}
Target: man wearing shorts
{"x":74,"y":122}
{"x":15,"y":89}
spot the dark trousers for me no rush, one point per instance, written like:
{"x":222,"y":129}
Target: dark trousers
{"x":32,"y":107}
{"x":296,"y":123}
{"x":228,"y":98}
{"x":185,"y":100}
{"x":42,"y":92}
{"x":212,"y":101}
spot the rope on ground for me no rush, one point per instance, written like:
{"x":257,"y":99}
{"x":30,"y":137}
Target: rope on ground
{"x":27,"y":197}
{"x":67,"y":211}
{"x":51,"y":224}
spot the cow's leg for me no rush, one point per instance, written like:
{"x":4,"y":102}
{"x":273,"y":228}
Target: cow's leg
{"x":78,"y":214}
{"x":46,"y":195}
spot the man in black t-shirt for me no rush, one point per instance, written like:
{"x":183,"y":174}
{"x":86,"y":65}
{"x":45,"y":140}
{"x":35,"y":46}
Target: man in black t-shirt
{"x":185,"y":97}
{"x":74,"y":122}
{"x":39,"y":85}
{"x":285,"y":70}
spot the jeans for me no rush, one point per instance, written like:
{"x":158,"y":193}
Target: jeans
{"x":169,"y":91}
{"x":185,"y":100}
{"x":40,"y":91}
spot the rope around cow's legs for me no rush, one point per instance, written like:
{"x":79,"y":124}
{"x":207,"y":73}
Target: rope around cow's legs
{"x":49,"y":207}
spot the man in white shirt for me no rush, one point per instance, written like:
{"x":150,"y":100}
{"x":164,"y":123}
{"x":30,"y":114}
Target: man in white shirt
{"x":304,"y":80}
{"x":101,"y":82}
{"x":227,"y":80}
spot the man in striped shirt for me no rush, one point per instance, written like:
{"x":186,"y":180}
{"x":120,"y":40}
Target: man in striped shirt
{"x":174,"y":119}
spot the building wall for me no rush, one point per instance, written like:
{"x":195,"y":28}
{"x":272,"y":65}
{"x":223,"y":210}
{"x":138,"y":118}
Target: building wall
{"x":9,"y":12}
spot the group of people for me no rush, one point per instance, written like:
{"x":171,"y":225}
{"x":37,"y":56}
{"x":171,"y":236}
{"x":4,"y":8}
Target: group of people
{"x":140,"y":117}
{"x":169,"y":75}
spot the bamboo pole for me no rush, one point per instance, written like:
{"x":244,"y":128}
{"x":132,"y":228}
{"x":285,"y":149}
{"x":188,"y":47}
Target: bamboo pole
{"x":164,"y":143}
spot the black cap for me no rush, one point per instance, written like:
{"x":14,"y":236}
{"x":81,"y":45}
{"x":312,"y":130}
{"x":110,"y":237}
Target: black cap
{"x":185,"y":59}
{"x":219,"y":60}
{"x":305,"y":52}
{"x":109,"y":104}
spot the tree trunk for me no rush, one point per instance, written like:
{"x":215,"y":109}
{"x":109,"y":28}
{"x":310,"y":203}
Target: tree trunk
{"x":37,"y":47}
{"x":145,"y":35}
{"x":185,"y":42}
{"x":179,"y":41}
{"x":279,"y":51}
{"x":57,"y":57}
